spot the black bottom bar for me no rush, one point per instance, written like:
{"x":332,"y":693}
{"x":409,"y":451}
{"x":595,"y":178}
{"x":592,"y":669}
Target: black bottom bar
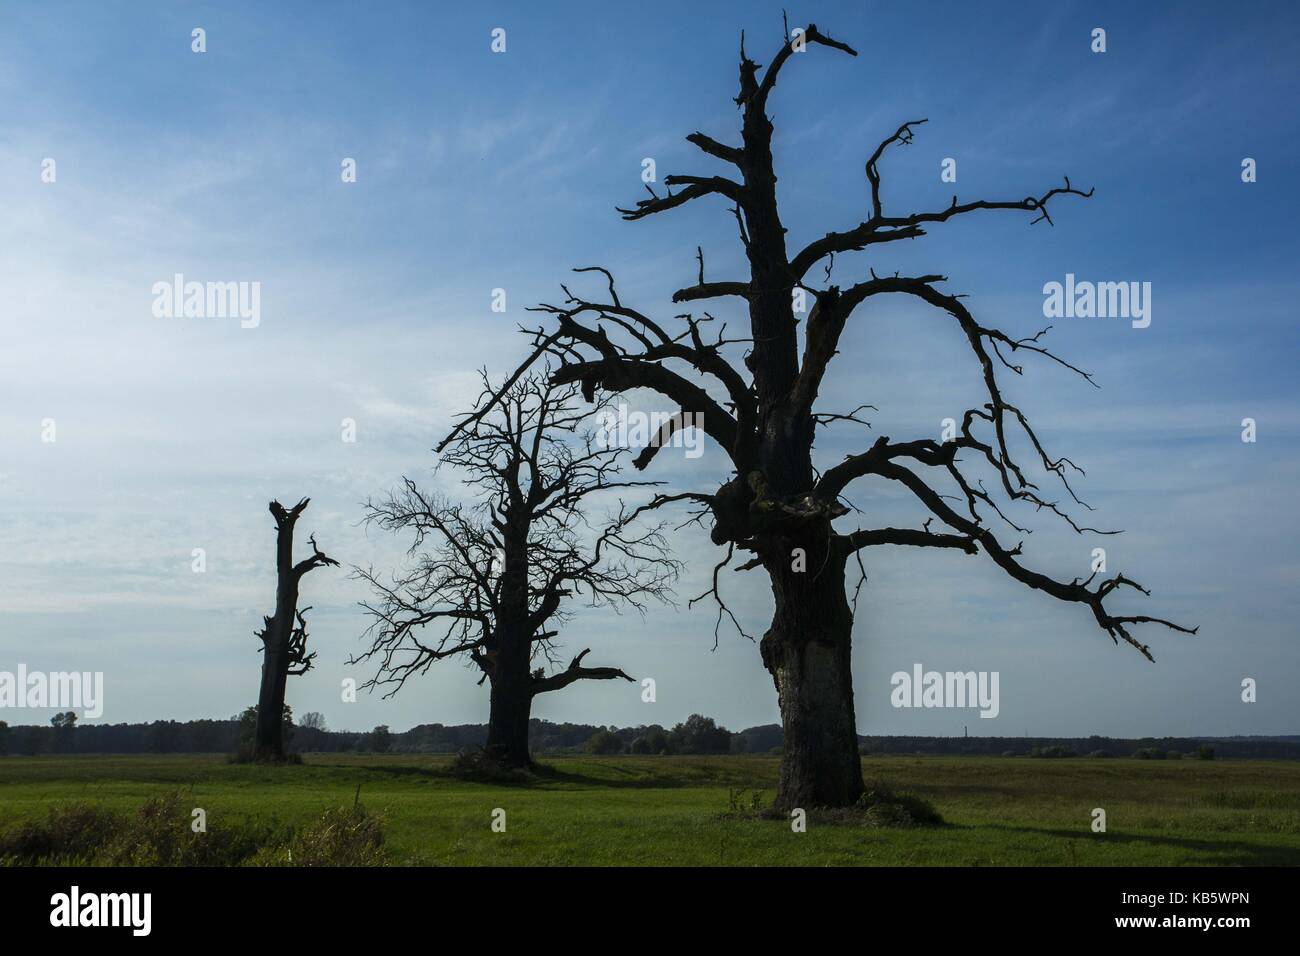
{"x":337,"y":905}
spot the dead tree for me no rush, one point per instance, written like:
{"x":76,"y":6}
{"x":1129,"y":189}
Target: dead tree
{"x":284,"y":633}
{"x":778,"y":506}
{"x":493,"y":582}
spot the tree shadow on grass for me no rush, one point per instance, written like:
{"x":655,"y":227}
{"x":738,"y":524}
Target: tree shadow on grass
{"x":408,"y":770}
{"x":550,"y":774}
{"x":538,"y":775}
{"x":391,"y":770}
{"x":1212,"y":852}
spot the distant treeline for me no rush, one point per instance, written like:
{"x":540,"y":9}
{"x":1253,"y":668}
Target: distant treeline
{"x":696,"y":735}
{"x":1276,"y":748}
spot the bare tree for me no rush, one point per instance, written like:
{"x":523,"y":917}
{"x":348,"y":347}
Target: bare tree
{"x":493,"y":581}
{"x":284,"y":634}
{"x":779,"y":507}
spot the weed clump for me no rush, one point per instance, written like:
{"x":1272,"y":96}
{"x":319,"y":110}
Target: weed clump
{"x":339,"y":837}
{"x":881,"y":806}
{"x":161,"y":833}
{"x":480,"y":766}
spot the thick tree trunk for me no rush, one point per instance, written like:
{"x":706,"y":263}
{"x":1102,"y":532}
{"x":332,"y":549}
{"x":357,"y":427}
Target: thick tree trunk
{"x":507,"y":741}
{"x":808,"y":652}
{"x":268,"y":738}
{"x":511,"y":705}
{"x":511,"y":674}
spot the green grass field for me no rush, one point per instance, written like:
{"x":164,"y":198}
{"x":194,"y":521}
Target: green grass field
{"x":675,"y":810}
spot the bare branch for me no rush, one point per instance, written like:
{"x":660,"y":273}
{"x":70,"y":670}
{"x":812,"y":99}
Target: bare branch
{"x":907,"y":536}
{"x":881,"y":228}
{"x":696,"y":187}
{"x":575,"y":672}
{"x":1074,"y":591}
{"x":711,"y":146}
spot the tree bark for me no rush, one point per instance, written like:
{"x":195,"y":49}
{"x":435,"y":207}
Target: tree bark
{"x":511,"y":675}
{"x":808,"y":652}
{"x":268,"y":738}
{"x":511,"y":708}
{"x":511,"y":702}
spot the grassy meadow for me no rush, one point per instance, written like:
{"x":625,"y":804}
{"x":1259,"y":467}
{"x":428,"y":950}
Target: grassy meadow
{"x":653,"y":811}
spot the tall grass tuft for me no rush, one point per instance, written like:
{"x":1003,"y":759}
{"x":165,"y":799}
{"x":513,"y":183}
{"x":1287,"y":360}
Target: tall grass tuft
{"x":160,"y":833}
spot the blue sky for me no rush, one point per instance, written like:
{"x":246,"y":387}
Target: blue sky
{"x":479,"y":170}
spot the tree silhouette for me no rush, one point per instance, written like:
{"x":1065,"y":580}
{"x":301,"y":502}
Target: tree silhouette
{"x":778,"y":507}
{"x":493,"y":580}
{"x":284,"y":634}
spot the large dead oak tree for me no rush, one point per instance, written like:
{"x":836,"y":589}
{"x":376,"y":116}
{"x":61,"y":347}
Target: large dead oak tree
{"x":284,"y":634}
{"x":778,"y":505}
{"x":494,"y":582}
